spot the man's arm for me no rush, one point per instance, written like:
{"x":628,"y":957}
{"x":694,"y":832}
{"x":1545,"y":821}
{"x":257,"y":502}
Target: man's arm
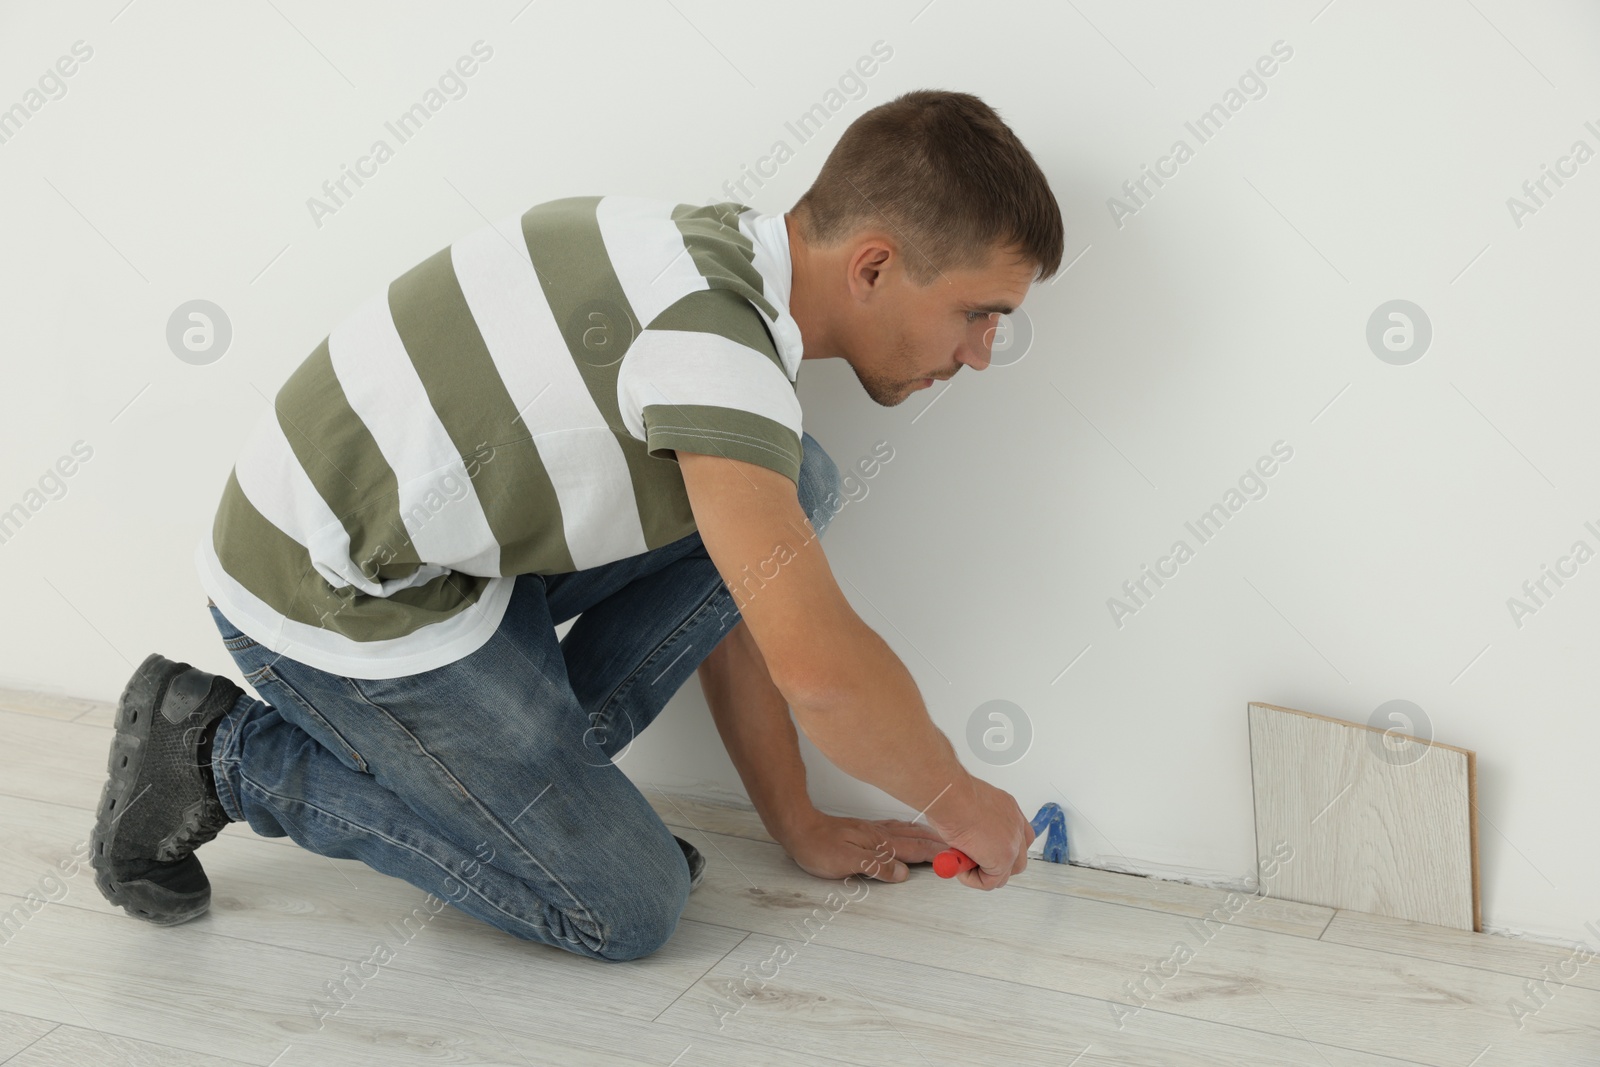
{"x":753,"y":718}
{"x":849,"y":691}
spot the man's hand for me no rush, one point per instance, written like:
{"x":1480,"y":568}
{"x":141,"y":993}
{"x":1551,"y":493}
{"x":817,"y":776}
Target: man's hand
{"x":828,"y":846}
{"x":985,"y":823}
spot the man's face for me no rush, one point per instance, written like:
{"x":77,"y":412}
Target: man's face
{"x":908,"y":335}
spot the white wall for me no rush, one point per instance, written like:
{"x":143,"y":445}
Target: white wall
{"x":1228,"y":313}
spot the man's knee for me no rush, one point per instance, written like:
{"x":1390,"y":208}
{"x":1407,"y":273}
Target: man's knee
{"x":819,"y":484}
{"x":642,"y":938}
{"x":644,"y":918}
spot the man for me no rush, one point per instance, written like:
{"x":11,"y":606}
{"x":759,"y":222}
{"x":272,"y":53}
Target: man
{"x":586,"y":411}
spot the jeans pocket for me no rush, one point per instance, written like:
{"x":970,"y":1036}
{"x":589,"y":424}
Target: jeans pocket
{"x":233,"y":638}
{"x":300,"y":711}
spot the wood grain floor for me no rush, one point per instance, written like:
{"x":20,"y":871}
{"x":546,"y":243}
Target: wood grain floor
{"x":1064,"y":966}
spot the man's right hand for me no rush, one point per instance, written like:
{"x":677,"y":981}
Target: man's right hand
{"x":986,"y":824}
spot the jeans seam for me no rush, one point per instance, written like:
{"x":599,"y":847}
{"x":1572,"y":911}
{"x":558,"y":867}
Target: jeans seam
{"x":266,"y":673}
{"x":226,"y":794}
{"x":263,"y":791}
{"x":627,"y":683}
{"x":484,"y":812}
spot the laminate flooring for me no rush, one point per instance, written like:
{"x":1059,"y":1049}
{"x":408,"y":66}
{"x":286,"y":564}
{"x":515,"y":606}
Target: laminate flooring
{"x":1065,"y":966}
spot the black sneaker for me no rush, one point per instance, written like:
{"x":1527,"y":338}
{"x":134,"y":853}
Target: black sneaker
{"x":159,"y":803}
{"x":697,"y":862}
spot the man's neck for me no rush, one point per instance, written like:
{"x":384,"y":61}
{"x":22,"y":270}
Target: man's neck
{"x":807,"y":267}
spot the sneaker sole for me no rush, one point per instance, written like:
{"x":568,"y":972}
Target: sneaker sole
{"x":697,"y":862}
{"x":136,"y":710}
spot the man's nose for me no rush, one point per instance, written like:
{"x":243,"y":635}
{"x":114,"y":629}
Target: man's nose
{"x":978,"y":356}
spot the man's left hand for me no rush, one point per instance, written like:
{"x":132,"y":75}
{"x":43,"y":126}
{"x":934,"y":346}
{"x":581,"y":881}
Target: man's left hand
{"x":833,"y":847}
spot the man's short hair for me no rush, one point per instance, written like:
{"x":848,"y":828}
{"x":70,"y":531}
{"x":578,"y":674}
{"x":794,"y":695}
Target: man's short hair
{"x":941,"y":172}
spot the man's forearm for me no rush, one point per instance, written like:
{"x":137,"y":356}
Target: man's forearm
{"x":873,"y":725}
{"x":753,"y":718}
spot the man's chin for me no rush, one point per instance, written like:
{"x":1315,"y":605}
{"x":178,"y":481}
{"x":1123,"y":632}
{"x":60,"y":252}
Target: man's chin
{"x":885,"y":399}
{"x":914,"y":387}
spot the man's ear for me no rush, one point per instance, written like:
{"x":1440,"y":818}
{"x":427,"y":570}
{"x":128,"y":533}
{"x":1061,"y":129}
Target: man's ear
{"x":869,"y":266}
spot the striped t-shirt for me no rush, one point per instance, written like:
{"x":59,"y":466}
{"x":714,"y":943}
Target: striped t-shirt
{"x":508,"y":406}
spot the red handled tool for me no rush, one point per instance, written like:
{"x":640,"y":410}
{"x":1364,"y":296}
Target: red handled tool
{"x":1050,"y":822}
{"x":951,"y":862}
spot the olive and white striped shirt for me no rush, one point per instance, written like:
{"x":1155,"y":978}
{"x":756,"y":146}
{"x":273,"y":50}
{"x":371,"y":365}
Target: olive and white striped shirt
{"x":508,"y":406}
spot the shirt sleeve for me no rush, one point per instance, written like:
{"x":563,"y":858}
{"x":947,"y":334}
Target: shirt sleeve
{"x":704,"y":376}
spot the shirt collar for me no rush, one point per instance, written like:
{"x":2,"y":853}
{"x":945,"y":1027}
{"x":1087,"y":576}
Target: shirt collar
{"x":769,"y":238}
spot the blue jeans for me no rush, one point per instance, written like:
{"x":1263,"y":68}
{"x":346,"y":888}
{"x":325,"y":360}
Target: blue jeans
{"x":489,"y":781}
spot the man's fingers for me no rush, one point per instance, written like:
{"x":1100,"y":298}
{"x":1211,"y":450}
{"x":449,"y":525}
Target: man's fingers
{"x":906,"y":841}
{"x":908,"y":829}
{"x":919,"y":849}
{"x":977,"y":878}
{"x":891,"y":872}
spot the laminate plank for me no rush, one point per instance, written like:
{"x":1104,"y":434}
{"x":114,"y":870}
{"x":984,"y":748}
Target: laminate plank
{"x":1407,"y":1008}
{"x":17,"y":1032}
{"x":1259,"y":911}
{"x":702,"y":813}
{"x":870,"y":1010}
{"x":208,"y":995}
{"x":51,"y":706}
{"x":46,"y":759}
{"x":1268,"y":912}
{"x":640,"y":990}
{"x":73,"y":1046}
{"x":1493,"y":952}
{"x":1374,"y":829}
{"x":102,"y":714}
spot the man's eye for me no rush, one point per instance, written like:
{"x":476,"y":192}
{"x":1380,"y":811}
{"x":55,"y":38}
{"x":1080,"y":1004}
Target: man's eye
{"x":974,"y":316}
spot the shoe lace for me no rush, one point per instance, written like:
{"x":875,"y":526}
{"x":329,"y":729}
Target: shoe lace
{"x":200,"y":825}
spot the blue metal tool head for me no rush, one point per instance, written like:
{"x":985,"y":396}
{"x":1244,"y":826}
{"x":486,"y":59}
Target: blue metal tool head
{"x":1051,"y":824}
